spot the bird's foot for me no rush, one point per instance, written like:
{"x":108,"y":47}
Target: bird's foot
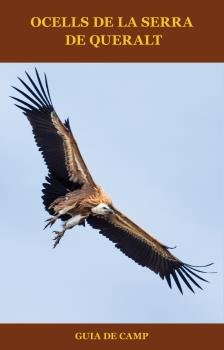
{"x":58,"y":237}
{"x":50,"y":221}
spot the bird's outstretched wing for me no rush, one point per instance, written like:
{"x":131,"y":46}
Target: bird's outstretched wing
{"x":67,"y":170}
{"x":146,"y":250}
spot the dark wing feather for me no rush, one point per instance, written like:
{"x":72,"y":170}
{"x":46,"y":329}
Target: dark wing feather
{"x":145,"y":249}
{"x":67,"y":170}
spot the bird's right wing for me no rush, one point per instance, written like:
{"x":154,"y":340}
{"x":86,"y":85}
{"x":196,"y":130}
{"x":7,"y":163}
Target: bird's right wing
{"x":144,"y":249}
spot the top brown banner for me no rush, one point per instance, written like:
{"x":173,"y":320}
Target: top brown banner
{"x":119,"y":31}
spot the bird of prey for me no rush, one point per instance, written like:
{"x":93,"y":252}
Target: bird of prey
{"x":71,"y":194}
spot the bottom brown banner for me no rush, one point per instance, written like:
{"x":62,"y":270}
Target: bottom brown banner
{"x":110,"y":336}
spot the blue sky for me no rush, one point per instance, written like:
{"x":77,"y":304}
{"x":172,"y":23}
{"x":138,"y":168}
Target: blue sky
{"x":152,"y":136}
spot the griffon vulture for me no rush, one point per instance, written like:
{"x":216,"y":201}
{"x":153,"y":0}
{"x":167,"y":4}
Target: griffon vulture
{"x":71,"y":194}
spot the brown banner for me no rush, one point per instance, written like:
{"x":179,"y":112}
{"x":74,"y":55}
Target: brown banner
{"x":116,"y":31}
{"x":111,"y":336}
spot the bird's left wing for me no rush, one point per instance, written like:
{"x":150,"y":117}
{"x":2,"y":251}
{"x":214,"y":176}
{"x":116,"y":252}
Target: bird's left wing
{"x":145,"y":249}
{"x":67,"y":169}
{"x":54,"y":138}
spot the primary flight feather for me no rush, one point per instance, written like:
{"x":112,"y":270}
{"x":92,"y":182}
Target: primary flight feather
{"x":71,"y":194}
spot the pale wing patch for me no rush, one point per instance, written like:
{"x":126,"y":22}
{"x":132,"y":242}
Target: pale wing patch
{"x":122,"y":222}
{"x":74,"y":167}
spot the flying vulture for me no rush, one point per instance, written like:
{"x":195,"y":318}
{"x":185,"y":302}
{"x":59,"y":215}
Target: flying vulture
{"x":71,"y":194}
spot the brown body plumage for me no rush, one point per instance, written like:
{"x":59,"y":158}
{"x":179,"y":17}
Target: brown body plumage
{"x":81,"y":201}
{"x":71,"y":194}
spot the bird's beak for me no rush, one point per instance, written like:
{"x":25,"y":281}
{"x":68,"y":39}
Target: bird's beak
{"x":110,"y":211}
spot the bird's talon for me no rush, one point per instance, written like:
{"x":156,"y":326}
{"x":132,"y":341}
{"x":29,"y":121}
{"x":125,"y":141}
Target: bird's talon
{"x":57,"y":238}
{"x":50,"y":222}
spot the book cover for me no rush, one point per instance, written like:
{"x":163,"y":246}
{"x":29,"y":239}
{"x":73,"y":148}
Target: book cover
{"x":142,"y":86}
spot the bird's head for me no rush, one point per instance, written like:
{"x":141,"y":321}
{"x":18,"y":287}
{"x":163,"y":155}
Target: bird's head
{"x":102,"y":209}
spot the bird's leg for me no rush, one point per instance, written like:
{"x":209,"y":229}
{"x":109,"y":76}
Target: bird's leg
{"x":75,"y":220}
{"x":54,"y":218}
{"x":58,"y":236}
{"x":51,"y":221}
